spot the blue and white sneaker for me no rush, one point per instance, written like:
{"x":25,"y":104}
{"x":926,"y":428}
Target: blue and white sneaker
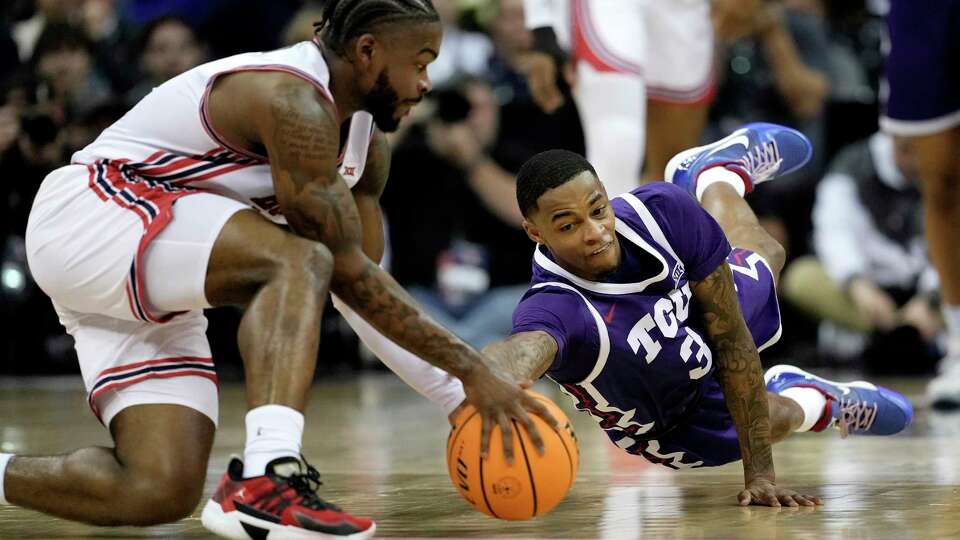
{"x":757,"y":152}
{"x":858,"y":407}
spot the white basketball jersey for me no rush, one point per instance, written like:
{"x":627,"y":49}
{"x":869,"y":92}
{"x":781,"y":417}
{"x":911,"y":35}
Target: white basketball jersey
{"x":167,"y":139}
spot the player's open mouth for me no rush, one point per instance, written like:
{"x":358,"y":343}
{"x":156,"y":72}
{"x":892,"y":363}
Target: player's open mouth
{"x":601,"y":250}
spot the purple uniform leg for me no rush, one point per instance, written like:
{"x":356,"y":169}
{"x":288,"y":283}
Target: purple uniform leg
{"x":708,"y":437}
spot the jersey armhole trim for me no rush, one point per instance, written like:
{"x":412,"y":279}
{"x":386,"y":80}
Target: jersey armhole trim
{"x":205,"y":103}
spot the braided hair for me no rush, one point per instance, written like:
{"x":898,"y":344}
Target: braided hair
{"x":545,"y":171}
{"x":344,"y":20}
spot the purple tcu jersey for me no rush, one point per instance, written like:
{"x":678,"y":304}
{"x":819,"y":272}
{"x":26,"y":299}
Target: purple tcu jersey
{"x":633,"y":350}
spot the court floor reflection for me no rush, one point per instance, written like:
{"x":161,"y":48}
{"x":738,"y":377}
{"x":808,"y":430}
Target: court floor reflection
{"x":381,"y":450}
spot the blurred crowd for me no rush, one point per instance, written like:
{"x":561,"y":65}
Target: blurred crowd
{"x":858,"y":286}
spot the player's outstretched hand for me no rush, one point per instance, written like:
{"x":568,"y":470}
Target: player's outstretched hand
{"x":499,"y":403}
{"x":763,"y":492}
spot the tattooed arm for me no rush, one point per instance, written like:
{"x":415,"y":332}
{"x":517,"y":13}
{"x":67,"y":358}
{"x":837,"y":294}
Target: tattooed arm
{"x":740,"y":376}
{"x":738,"y":371}
{"x":300,"y":131}
{"x":524,"y":356}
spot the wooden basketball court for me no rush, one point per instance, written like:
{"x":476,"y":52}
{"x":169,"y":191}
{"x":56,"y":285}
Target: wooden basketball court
{"x":380,"y":448}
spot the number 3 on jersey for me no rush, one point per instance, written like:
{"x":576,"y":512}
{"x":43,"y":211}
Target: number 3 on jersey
{"x":667,"y":315}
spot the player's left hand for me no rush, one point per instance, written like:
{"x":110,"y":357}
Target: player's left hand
{"x":763,"y":492}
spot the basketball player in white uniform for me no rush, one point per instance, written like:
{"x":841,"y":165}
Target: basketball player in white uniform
{"x":177,"y":207}
{"x":644,"y":75}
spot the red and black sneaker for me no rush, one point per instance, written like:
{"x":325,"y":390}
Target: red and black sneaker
{"x":282,"y":504}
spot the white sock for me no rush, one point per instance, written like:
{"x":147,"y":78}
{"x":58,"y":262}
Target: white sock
{"x":719,"y":174}
{"x":4,"y":459}
{"x":431,"y":382}
{"x":273,"y":431}
{"x":811,"y":401}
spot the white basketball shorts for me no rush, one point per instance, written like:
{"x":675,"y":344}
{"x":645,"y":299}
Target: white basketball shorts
{"x":125,"y":265}
{"x":667,"y":43}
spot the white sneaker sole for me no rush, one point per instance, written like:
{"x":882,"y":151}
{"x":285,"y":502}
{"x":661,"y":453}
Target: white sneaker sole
{"x":775,"y":371}
{"x":228,"y":525}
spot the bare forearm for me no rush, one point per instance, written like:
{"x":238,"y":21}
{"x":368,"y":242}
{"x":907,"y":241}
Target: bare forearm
{"x":375,"y":295}
{"x":738,"y":371}
{"x":524,"y":356}
{"x":740,"y":377}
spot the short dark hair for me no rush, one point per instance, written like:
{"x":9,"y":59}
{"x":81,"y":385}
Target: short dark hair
{"x":344,"y":20}
{"x":546,"y":171}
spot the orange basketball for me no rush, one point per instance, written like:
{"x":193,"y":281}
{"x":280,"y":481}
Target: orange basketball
{"x":532,"y":485}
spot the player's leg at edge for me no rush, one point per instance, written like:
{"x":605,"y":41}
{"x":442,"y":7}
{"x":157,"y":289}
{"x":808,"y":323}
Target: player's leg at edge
{"x":156,"y":470}
{"x":244,"y":504}
{"x":154,"y":474}
{"x":938,"y":159}
{"x":719,"y":175}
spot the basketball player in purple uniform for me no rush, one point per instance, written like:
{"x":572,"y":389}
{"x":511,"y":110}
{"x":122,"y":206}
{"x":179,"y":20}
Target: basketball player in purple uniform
{"x":923,"y":104}
{"x":643,"y":314}
{"x":641,"y":311}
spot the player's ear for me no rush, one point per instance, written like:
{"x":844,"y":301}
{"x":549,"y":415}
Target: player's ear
{"x":364,"y":50}
{"x":531,"y":230}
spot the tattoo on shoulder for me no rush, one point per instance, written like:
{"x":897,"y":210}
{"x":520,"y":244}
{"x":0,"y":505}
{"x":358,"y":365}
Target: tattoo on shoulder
{"x":304,"y":132}
{"x":718,"y":300}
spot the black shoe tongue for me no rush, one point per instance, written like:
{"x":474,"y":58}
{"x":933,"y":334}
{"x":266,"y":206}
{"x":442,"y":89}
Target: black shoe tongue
{"x":285,"y":467}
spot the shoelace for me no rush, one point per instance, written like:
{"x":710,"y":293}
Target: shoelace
{"x":306,"y":485}
{"x":763,"y":161}
{"x":855,"y":415}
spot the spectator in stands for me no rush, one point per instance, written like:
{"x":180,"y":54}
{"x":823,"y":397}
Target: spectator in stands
{"x":465,"y":268}
{"x":464,"y":53}
{"x":68,"y":83}
{"x":870,"y":276}
{"x":454,"y":271}
{"x":779,"y":74}
{"x":301,"y":25}
{"x":170,"y":47}
{"x":461,"y":258}
{"x":27,"y":32}
{"x":525,"y":129}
